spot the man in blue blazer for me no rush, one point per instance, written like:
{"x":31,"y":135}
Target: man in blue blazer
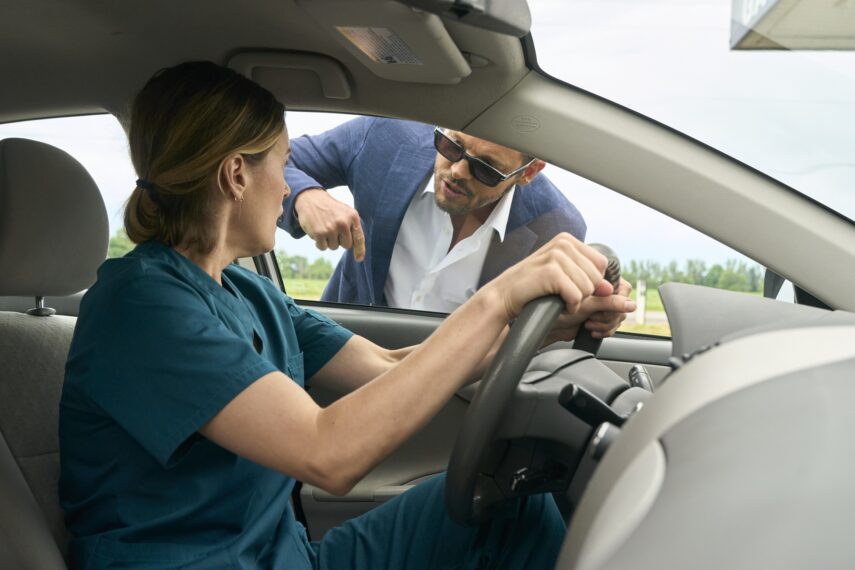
{"x":386,"y":163}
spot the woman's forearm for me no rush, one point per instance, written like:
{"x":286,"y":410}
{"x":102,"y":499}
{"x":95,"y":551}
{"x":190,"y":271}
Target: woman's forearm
{"x":357,"y":431}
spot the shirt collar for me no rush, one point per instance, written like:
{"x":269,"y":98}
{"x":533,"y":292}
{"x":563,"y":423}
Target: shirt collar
{"x":498,"y":218}
{"x":190,"y":270}
{"x":194,"y":274}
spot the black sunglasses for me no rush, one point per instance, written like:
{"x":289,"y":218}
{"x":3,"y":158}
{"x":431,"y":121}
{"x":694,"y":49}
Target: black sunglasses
{"x":480,"y":170}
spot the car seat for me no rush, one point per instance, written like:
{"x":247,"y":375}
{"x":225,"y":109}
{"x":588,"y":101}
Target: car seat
{"x":53,"y":236}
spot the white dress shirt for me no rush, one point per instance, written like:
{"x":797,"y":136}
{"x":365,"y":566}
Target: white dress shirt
{"x":423,"y":273}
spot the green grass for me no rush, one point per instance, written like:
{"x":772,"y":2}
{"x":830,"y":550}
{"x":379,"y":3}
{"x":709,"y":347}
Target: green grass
{"x":656,"y":329}
{"x":654,"y":305}
{"x":654,"y":301}
{"x":306,"y":289}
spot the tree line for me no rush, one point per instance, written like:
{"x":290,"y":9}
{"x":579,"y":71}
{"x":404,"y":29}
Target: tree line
{"x":299,"y":267}
{"x":733,"y":275}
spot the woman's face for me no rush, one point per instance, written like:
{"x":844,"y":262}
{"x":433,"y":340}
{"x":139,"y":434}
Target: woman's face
{"x":262,"y":204}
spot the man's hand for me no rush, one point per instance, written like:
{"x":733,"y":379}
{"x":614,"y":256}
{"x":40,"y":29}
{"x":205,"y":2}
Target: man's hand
{"x":602,"y":315}
{"x":606,"y":317}
{"x":329,"y":222}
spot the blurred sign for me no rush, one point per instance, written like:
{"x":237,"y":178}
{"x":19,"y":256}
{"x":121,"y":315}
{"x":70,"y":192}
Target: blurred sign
{"x":641,"y":302}
{"x":792,"y":24}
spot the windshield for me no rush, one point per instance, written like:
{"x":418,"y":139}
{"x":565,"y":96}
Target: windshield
{"x":685,"y":63}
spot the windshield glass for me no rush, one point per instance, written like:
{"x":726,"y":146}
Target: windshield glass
{"x":687,"y":63}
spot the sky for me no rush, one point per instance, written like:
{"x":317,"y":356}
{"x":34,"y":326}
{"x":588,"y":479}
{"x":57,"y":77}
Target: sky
{"x":789,"y":114}
{"x":786,"y":113}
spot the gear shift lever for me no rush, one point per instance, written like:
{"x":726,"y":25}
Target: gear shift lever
{"x":584,"y":340}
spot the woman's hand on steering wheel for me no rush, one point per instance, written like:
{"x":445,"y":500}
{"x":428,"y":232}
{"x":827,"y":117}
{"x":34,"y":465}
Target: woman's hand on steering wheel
{"x":564,"y":266}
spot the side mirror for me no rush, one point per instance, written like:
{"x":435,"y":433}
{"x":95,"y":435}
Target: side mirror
{"x":772,"y":283}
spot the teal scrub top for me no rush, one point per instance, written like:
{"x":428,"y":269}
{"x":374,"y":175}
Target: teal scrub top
{"x":159,"y":349}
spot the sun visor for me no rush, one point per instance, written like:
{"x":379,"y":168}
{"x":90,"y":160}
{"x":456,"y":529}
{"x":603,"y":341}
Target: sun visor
{"x":265,"y":68}
{"x":394,"y":41}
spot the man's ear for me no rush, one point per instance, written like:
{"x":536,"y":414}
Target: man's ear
{"x":233,"y":177}
{"x":531,"y":172}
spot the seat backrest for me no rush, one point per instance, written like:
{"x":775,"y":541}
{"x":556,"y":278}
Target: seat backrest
{"x":53,"y":236}
{"x":32,"y":361}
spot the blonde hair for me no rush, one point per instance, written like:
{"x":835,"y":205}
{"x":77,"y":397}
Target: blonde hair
{"x":185,"y":122}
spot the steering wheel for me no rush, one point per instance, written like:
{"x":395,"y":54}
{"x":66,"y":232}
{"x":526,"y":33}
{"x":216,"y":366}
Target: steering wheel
{"x":471,"y":497}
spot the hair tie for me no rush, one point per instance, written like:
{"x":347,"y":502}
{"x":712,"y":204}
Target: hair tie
{"x":145,"y":184}
{"x":151,"y":190}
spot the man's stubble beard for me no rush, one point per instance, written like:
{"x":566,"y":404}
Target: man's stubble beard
{"x":463,"y":208}
{"x":439,"y":196}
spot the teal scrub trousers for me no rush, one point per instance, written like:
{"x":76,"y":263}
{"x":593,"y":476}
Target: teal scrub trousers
{"x":413,"y":531}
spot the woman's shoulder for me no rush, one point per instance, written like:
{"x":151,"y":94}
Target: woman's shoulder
{"x":140,"y":275}
{"x":129,"y":269}
{"x":251,"y":282}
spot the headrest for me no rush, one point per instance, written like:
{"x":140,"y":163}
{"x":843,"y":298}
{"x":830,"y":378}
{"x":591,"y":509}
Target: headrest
{"x":53,"y":223}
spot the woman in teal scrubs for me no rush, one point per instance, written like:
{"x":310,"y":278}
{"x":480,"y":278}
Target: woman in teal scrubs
{"x":184,"y":421}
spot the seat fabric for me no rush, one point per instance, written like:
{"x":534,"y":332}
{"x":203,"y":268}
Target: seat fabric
{"x":53,"y":237}
{"x":32,"y":362}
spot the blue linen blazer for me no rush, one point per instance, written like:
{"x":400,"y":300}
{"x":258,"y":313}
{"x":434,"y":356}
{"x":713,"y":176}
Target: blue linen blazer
{"x":385,"y":162}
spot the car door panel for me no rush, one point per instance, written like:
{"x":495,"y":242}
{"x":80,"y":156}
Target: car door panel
{"x":427,"y":453}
